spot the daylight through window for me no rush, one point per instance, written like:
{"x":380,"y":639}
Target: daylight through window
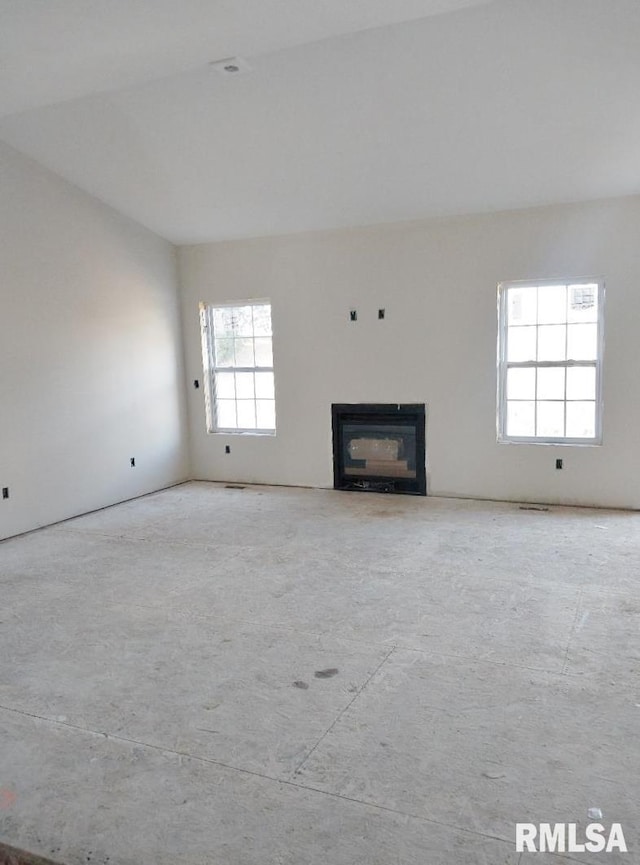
{"x":550,"y":359}
{"x":238,"y":357}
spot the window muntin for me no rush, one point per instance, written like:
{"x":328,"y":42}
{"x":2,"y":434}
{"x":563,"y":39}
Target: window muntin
{"x":238,"y":361}
{"x":550,"y":359}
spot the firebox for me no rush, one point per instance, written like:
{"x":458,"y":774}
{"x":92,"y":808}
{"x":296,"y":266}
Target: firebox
{"x":379,"y":447}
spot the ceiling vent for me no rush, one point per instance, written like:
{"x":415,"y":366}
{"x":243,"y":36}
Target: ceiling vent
{"x":230,"y":66}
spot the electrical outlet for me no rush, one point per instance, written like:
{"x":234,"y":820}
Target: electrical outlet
{"x":558,"y":464}
{"x":5,"y":492}
{"x":227,"y":449}
{"x":353,"y":315}
{"x":133,"y":462}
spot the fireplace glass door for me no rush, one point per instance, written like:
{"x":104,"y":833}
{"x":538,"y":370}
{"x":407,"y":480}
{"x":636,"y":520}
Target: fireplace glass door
{"x":379,"y":447}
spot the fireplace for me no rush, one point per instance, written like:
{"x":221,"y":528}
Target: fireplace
{"x":379,"y":447}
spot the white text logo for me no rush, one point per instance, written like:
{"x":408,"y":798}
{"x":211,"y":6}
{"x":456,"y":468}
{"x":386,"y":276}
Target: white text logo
{"x":564,"y":838}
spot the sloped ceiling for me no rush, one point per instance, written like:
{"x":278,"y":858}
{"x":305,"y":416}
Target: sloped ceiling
{"x":354,"y":112}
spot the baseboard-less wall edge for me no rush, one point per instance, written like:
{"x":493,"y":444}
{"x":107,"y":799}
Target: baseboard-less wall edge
{"x":534,"y":502}
{"x":452,"y":496}
{"x":438,"y":495}
{"x":92,"y":511}
{"x":258,"y":484}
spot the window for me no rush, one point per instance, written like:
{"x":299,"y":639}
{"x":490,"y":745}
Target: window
{"x":238,"y":362}
{"x":550,"y":359}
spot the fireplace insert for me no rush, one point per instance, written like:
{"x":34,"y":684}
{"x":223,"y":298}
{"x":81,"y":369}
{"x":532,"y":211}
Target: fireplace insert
{"x":379,"y":447}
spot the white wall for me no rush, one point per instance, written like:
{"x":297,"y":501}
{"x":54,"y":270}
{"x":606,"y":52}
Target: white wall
{"x":437,"y":281}
{"x":90,"y":352}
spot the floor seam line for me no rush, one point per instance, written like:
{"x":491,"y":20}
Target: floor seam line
{"x":572,"y":632}
{"x":342,"y":712}
{"x":284,"y":781}
{"x":476,"y":660}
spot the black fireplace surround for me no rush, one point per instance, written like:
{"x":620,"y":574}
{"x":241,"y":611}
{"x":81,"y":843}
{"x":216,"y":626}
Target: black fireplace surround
{"x":379,"y":447}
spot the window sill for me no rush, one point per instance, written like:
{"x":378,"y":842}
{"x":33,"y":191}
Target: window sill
{"x":242,"y":432}
{"x":562,"y":443}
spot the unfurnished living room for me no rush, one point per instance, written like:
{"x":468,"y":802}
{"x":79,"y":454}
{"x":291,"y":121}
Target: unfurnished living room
{"x":319,"y":454}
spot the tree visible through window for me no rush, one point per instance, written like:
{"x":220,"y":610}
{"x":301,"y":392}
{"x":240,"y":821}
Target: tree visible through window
{"x":550,"y":359}
{"x":238,"y":359}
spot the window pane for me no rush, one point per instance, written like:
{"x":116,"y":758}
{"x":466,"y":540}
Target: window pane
{"x":264,"y":385}
{"x":238,"y":341}
{"x":546,"y":327}
{"x":550,"y":420}
{"x":262,"y":320}
{"x":521,"y":344}
{"x":226,"y":413}
{"x":583,"y":342}
{"x":223,"y":321}
{"x":244,"y":385}
{"x":521,"y":305}
{"x":246,"y":414}
{"x":244,"y":352}
{"x":581,"y":420}
{"x":223,"y":350}
{"x":264,"y":356}
{"x":520,"y":419}
{"x":225,"y":387}
{"x":583,"y":303}
{"x":266,"y":413}
{"x":242,"y":321}
{"x":550,"y":383}
{"x":521,"y":384}
{"x":552,"y":304}
{"x":581,"y":383}
{"x":551,"y":342}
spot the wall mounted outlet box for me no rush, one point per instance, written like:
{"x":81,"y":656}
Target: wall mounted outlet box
{"x":5,"y":492}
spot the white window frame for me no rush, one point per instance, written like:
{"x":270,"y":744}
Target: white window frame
{"x":504,"y":365}
{"x":207,"y":310}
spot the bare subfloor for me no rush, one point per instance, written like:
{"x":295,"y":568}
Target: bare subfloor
{"x":263,"y":676}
